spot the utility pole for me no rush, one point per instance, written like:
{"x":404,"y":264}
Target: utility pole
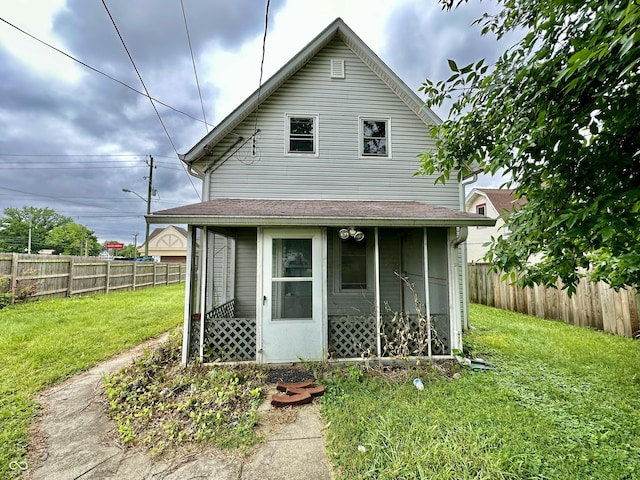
{"x":149,"y":192}
{"x":135,"y":245}
{"x":29,"y":244}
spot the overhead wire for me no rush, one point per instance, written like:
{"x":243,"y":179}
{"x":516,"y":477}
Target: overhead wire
{"x":124,"y":45}
{"x":60,"y":199}
{"x":193,"y":61}
{"x":264,"y":48}
{"x":96,"y":70}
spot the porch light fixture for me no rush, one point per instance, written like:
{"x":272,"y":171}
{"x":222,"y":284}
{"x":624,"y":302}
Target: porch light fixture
{"x":345,"y":233}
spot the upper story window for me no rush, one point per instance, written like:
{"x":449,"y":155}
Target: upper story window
{"x":481,"y":209}
{"x":302,"y":134}
{"x":374,"y":137}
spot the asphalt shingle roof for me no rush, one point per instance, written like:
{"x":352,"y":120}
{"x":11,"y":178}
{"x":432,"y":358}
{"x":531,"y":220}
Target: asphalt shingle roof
{"x":230,"y":211}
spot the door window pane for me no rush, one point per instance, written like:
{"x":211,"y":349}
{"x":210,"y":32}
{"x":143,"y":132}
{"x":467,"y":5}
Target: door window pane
{"x":291,"y":257}
{"x":291,"y":300}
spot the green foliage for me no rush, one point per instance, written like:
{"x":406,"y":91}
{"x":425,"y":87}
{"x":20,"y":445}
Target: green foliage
{"x":128,"y":251}
{"x":43,"y":343}
{"x":73,"y":239}
{"x":24,"y":288}
{"x":564,"y":402}
{"x":158,"y":403}
{"x":5,"y":292}
{"x":14,"y":228}
{"x":559,"y":112}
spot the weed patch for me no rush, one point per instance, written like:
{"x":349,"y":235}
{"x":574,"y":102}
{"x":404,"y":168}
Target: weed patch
{"x":160,"y":405}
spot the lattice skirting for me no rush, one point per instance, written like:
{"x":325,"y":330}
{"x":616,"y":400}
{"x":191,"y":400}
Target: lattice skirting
{"x":352,"y":336}
{"x":225,"y":339}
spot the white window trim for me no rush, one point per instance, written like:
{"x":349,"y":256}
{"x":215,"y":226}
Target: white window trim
{"x":287,"y":132}
{"x":361,"y":119}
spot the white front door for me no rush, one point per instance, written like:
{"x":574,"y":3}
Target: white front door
{"x":292,"y":303}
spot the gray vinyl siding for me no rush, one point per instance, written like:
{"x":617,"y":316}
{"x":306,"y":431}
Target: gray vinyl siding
{"x":338,"y":171}
{"x":246,"y":272}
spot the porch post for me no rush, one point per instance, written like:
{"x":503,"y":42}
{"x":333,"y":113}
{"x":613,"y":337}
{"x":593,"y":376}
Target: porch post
{"x":188,"y":295}
{"x":203,"y":285}
{"x":259,"y":291}
{"x":427,"y":300}
{"x":377,"y":274}
{"x":455,"y":326}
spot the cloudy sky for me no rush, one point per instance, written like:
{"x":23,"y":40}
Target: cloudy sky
{"x":72,"y":138}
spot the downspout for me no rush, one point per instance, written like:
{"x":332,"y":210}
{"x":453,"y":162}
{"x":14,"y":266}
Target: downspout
{"x":190,"y":170}
{"x":464,"y":231}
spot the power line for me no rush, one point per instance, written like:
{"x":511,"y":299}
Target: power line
{"x":81,"y":155}
{"x":60,"y":199}
{"x":264,"y":47}
{"x":86,"y":65}
{"x":147,"y":92}
{"x":193,"y":61}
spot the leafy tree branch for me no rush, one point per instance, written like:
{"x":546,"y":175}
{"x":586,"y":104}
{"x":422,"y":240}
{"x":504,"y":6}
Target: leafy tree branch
{"x":559,"y":112}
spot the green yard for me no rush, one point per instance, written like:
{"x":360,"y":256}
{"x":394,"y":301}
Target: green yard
{"x":43,"y":343}
{"x":563,"y":403}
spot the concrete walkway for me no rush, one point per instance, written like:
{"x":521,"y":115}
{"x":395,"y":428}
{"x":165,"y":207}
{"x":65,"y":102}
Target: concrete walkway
{"x":74,"y":439}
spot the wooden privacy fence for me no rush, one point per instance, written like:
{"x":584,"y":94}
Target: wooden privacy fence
{"x":593,"y":305}
{"x":52,"y":276}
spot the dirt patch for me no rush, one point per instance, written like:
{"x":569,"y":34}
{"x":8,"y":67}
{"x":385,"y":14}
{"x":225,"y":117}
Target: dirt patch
{"x":288,"y":375}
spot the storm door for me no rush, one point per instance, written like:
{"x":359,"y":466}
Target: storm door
{"x":292,"y":303}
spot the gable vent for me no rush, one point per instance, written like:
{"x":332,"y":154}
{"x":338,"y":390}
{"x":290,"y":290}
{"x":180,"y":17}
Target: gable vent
{"x":337,"y":68}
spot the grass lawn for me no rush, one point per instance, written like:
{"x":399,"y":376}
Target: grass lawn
{"x":43,"y":343}
{"x":563,"y":403}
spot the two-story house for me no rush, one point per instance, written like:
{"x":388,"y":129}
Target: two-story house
{"x":312,"y":218}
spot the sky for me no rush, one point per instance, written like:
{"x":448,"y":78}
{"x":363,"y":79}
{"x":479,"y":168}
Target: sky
{"x":72,"y":138}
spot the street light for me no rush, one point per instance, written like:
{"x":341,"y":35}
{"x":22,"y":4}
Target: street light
{"x":146,"y":236}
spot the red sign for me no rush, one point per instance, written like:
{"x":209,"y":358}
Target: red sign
{"x":114,"y":245}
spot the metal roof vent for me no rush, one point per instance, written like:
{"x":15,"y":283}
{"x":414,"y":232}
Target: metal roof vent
{"x":337,"y":68}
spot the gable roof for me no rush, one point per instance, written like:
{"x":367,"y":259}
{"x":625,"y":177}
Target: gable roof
{"x":502,"y":199}
{"x":337,"y":29}
{"x":161,"y":230}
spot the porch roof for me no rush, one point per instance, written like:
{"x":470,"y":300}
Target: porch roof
{"x":254,"y":212}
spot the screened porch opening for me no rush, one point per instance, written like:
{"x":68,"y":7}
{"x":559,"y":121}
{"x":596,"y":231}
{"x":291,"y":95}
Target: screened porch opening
{"x":227,"y":330}
{"x":387,"y":268}
{"x":408,"y":325}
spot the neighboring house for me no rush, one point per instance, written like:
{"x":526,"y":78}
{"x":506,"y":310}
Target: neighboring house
{"x":493,"y":203}
{"x":311,"y":181}
{"x":169,"y":244}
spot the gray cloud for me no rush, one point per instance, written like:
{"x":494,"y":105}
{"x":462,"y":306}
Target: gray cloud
{"x":45,"y":116}
{"x":421,"y":40}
